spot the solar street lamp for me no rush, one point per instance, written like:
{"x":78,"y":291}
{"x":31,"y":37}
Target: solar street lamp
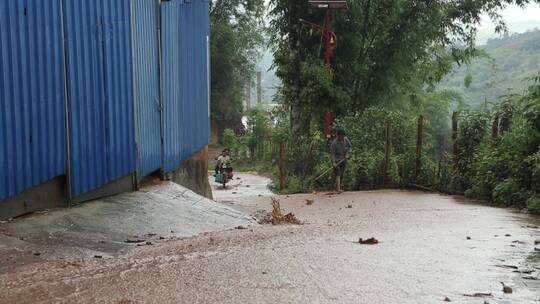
{"x":331,"y":38}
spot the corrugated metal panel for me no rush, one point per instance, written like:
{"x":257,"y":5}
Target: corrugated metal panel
{"x":185,"y":28}
{"x":196,"y":77}
{"x":100,"y":97}
{"x":32,"y":129}
{"x":172,"y":106}
{"x":145,"y":38}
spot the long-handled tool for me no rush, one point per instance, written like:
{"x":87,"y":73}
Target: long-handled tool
{"x":327,"y":171}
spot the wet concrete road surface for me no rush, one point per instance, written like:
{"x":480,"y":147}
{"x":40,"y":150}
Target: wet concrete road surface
{"x":113,"y":225}
{"x":431,"y":247}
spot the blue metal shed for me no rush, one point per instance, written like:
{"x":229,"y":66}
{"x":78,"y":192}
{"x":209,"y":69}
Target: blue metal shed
{"x":147,"y":87}
{"x":81,"y":83}
{"x":100,"y":96}
{"x":32,"y":136}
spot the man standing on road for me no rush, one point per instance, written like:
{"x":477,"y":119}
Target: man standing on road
{"x":340,"y":150}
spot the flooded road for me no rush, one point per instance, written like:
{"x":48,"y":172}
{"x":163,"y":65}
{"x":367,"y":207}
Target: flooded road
{"x":431,"y":247}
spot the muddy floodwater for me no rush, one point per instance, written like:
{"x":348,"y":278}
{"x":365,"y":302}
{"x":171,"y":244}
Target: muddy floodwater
{"x":431,"y":248}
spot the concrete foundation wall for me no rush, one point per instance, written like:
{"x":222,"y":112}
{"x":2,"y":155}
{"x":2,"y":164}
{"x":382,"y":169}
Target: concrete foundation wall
{"x":194,"y":174}
{"x":50,"y":195}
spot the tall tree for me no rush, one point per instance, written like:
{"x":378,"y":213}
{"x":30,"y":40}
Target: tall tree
{"x":237,"y":35}
{"x":388,"y":50}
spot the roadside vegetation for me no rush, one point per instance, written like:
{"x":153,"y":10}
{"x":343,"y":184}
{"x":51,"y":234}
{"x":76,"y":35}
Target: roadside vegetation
{"x":385,"y":81}
{"x":495,"y":155}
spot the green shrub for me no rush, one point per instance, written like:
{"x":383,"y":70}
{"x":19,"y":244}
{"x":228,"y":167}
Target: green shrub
{"x":506,"y":192}
{"x":533,"y":204}
{"x":297,"y":184}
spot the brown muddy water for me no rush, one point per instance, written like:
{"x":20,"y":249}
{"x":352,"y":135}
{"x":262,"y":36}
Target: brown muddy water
{"x":431,"y":247}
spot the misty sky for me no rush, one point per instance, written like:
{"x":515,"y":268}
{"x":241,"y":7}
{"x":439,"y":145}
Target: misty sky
{"x":518,"y":21}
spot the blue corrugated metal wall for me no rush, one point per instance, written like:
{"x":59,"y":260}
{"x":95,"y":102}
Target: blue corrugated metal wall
{"x":101,"y":117}
{"x":146,"y":63}
{"x":32,"y":137}
{"x":185,"y":100}
{"x":102,"y":64}
{"x":172,"y":103}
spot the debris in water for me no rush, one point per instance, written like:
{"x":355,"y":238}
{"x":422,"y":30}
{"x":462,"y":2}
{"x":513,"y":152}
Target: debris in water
{"x":37,"y":253}
{"x":149,"y":243}
{"x":478,"y":295}
{"x":507,"y":235}
{"x":518,"y":242}
{"x":73,"y":264}
{"x":507,"y":266}
{"x":531,"y":278}
{"x":370,"y":241}
{"x":506,"y":289}
{"x":263,"y":217}
{"x":134,"y":241}
{"x":447,"y":299}
{"x":278,"y":217}
{"x":240,"y":227}
{"x":161,"y":237}
{"x":234,"y":192}
{"x":349,"y":206}
{"x":309,"y":202}
{"x":468,"y":238}
{"x":248,"y":186}
{"x":98,"y":256}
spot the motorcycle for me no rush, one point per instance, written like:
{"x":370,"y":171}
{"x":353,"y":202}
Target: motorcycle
{"x":224,"y":175}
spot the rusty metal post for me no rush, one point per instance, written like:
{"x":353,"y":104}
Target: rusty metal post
{"x":281,"y":166}
{"x":455,"y":135}
{"x":387,"y":151}
{"x":419,"y":143}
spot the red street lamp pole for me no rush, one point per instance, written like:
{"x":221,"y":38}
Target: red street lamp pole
{"x":328,"y":42}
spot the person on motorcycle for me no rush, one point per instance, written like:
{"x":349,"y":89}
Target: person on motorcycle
{"x":223,"y":160}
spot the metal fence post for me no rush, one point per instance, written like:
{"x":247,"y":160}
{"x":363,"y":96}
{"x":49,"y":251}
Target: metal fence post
{"x":419,"y":142}
{"x":455,"y":136}
{"x":387,"y":151}
{"x":281,"y":166}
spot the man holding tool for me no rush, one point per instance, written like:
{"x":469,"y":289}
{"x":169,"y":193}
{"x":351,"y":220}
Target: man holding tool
{"x":340,"y":150}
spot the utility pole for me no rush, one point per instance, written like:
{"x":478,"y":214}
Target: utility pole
{"x":259,"y":87}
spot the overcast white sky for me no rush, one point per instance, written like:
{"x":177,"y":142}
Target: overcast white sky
{"x":518,"y":21}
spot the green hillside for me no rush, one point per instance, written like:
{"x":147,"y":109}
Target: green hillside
{"x":512,"y":60}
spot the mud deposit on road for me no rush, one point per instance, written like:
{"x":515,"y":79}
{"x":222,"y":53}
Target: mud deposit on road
{"x":430,"y":247}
